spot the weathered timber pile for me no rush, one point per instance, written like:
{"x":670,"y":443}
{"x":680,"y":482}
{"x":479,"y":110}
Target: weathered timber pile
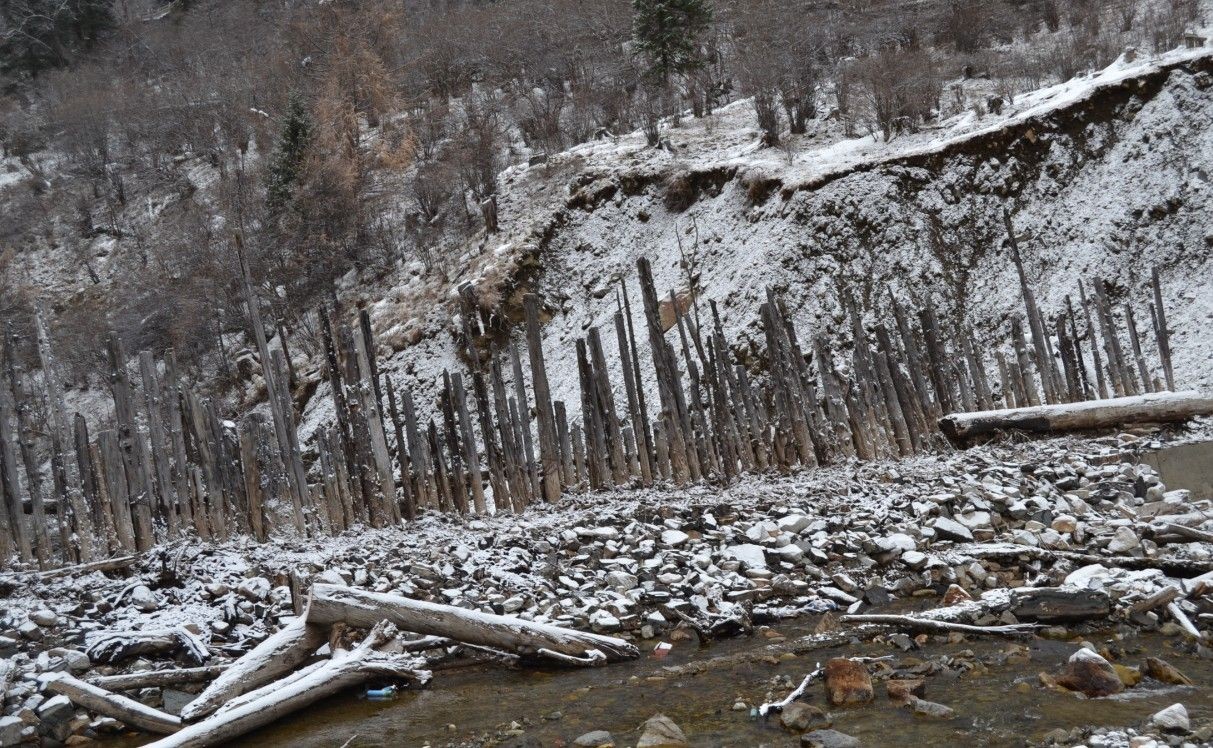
{"x":174,"y":467}
{"x":1043,"y":534}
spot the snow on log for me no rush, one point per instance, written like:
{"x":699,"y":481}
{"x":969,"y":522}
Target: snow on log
{"x":1158,"y":407}
{"x":345,"y":669}
{"x":362,"y":609}
{"x":157,"y":678}
{"x":122,"y":708}
{"x":277,"y":655}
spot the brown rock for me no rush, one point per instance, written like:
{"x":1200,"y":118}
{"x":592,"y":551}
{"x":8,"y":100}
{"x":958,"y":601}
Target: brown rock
{"x":1090,"y":674}
{"x":954,"y":595}
{"x":901,"y":689}
{"x":1163,"y":671}
{"x":799,"y":717}
{"x":1130,"y":676}
{"x":848,"y":683}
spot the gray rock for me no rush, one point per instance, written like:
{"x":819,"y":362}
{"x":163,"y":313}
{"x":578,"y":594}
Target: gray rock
{"x":144,"y":599}
{"x":674,"y":538}
{"x":604,"y":623}
{"x":621,"y":581}
{"x":10,"y":730}
{"x":30,"y":630}
{"x":974,"y":520}
{"x":45,"y":618}
{"x":950,"y":529}
{"x":595,"y":739}
{"x":750,"y":555}
{"x":661,"y":732}
{"x":828,"y":739}
{"x":255,"y":588}
{"x":1123,"y":540}
{"x":925,"y":708}
{"x":173,"y":701}
{"x":1172,"y":719}
{"x":56,"y":710}
{"x":794,"y":523}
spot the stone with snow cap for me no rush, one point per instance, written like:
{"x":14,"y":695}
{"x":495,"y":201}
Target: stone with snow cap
{"x":752,"y":556}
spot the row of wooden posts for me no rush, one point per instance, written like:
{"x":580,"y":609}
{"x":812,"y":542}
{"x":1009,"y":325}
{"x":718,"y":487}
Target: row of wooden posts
{"x":172,"y":466}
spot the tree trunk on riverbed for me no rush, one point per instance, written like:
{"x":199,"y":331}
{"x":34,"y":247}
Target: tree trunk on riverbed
{"x":1159,"y":407}
{"x":344,"y":670}
{"x":362,"y":609}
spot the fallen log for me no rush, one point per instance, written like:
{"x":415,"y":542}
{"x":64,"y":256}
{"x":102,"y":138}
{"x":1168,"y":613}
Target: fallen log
{"x":362,"y":609}
{"x":279,"y":654}
{"x":929,"y":625}
{"x":117,"y":706}
{"x":107,"y":564}
{"x":1172,"y":566}
{"x":1158,"y":407}
{"x":1160,"y":598}
{"x":109,"y":647}
{"x":158,"y":678}
{"x":345,"y":669}
{"x":1059,"y":604}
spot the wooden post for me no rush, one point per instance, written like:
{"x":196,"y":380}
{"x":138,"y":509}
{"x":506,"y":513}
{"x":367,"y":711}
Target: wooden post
{"x":549,"y":450}
{"x":67,"y":492}
{"x":10,"y":485}
{"x":402,"y":455}
{"x":1162,"y":334}
{"x":283,"y":429}
{"x":167,"y":490}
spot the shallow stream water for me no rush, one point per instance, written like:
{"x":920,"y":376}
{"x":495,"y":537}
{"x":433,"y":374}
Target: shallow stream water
{"x":1002,"y":706}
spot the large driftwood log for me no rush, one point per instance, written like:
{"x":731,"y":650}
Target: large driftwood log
{"x":121,"y":708}
{"x":1159,"y":407}
{"x":279,"y":654}
{"x":158,"y":678}
{"x":109,"y":647}
{"x":362,"y":609}
{"x":373,"y":657}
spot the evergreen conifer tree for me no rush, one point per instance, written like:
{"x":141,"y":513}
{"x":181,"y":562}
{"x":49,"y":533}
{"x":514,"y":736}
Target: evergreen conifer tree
{"x":666,"y":33}
{"x":289,"y":154}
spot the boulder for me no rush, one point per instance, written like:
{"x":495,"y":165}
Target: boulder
{"x":10,"y":730}
{"x":1123,"y":540}
{"x":659,"y":731}
{"x":828,"y":739}
{"x":1089,"y":674}
{"x":144,"y":599}
{"x":799,"y":716}
{"x":751,"y":556}
{"x":848,"y":683}
{"x":45,"y":618}
{"x":1161,"y":670}
{"x":949,"y":529}
{"x":673,"y":538}
{"x":1172,"y":719}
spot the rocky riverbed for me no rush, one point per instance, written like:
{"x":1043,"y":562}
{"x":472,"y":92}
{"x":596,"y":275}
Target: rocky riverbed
{"x":1076,"y":537}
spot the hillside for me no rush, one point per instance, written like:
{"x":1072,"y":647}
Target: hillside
{"x":1106,"y":176}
